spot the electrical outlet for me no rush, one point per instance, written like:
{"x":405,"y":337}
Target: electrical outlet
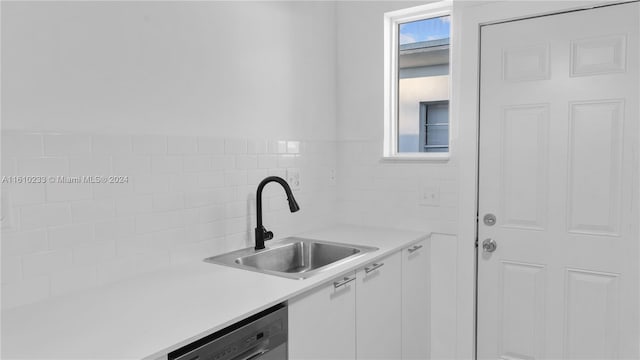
{"x":293,"y":178}
{"x":430,"y":196}
{"x":332,"y":176}
{"x":6,"y":212}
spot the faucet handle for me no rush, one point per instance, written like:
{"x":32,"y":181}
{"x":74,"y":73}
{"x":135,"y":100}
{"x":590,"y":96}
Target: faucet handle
{"x":266,"y":235}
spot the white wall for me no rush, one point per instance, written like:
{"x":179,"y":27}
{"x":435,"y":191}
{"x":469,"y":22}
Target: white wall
{"x":389,"y":194}
{"x":243,"y":69}
{"x":194,"y":101}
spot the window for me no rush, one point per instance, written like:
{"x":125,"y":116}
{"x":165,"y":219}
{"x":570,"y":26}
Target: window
{"x":434,"y":126}
{"x":417,"y":82}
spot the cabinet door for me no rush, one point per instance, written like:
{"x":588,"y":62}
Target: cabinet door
{"x":415,"y":301}
{"x":378,"y":313}
{"x":322,"y":322}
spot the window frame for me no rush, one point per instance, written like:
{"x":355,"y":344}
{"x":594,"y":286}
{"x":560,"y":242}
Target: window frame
{"x":392,"y":20}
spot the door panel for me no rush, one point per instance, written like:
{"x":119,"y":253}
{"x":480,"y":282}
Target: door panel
{"x":591,"y":312}
{"x":521,"y":303}
{"x":524,"y":166}
{"x":595,"y":167}
{"x":558,"y":168}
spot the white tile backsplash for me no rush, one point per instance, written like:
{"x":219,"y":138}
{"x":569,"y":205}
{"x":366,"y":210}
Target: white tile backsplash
{"x":235,"y":178}
{"x":237,"y":209}
{"x":136,"y":204}
{"x":67,"y":144}
{"x":196,"y":163}
{"x":278,"y":146}
{"x":114,"y":229}
{"x":149,"y":144}
{"x":211,"y":146}
{"x":158,"y":221}
{"x":68,"y":192}
{"x":111,"y":144}
{"x":166,"y":164}
{"x":26,"y":195}
{"x":41,"y":166}
{"x":211,"y":179}
{"x":168,"y":201}
{"x":254,"y":176}
{"x":267,"y":161}
{"x":11,"y":269}
{"x":39,"y":216}
{"x":94,"y":253}
{"x":247,"y":162}
{"x":293,"y":147}
{"x":22,"y":144}
{"x":186,"y":198}
{"x":182,"y":145}
{"x":24,"y":242}
{"x":92,"y":210}
{"x":223,"y":162}
{"x":89,"y":165}
{"x":69,"y":236}
{"x":113,"y":190}
{"x":258,"y":146}
{"x":235,"y":146}
{"x":378,"y":193}
{"x":9,"y":165}
{"x":148,"y":184}
{"x":46,"y":262}
{"x":130,"y":164}
{"x":287,"y":161}
{"x":211,"y":213}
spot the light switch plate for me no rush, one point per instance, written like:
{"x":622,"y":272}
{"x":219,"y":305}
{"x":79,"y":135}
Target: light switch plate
{"x":430,"y":196}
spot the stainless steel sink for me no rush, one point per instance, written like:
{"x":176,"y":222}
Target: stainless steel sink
{"x":292,"y":257}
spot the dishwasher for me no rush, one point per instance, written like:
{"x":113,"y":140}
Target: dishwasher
{"x":261,"y":336}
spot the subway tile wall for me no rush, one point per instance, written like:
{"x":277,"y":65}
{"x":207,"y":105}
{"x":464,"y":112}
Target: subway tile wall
{"x":186,"y":198}
{"x":391,"y":194}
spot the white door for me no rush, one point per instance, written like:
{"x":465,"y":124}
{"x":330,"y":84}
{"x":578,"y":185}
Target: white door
{"x":559,"y":170}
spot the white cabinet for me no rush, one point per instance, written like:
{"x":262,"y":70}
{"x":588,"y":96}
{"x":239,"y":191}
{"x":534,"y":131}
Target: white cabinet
{"x":378,"y":310}
{"x":322,"y":322}
{"x":415,"y":302}
{"x":381,"y":311}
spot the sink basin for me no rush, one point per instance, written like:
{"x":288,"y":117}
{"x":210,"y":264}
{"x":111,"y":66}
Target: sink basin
{"x":293,"y":257}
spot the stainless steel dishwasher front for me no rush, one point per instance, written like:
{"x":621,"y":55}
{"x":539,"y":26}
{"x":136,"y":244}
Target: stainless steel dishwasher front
{"x":262,"y":336}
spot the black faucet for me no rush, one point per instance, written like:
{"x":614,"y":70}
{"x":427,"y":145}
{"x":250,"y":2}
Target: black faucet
{"x":261,"y":233}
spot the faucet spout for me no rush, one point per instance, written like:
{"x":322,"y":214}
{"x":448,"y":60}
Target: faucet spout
{"x":261,"y":233}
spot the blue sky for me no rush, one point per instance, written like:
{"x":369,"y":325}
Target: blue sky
{"x":424,"y":30}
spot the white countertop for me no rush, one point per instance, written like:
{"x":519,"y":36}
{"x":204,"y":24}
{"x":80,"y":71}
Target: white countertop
{"x":150,"y":315}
